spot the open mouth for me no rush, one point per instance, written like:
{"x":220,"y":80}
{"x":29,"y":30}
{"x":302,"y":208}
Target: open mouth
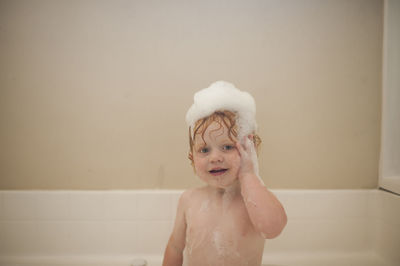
{"x":218,"y":171}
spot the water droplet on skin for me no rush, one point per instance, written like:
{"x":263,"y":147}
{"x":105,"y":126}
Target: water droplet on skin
{"x":248,"y":200}
{"x":204,"y":206}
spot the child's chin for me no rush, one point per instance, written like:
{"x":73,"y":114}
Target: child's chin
{"x":223,"y":185}
{"x":223,"y":182}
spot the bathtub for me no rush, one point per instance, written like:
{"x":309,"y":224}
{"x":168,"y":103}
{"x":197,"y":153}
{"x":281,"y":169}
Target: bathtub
{"x":325,"y":227}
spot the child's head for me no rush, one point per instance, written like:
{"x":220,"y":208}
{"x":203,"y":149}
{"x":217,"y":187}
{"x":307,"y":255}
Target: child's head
{"x":225,"y":119}
{"x":227,"y":106}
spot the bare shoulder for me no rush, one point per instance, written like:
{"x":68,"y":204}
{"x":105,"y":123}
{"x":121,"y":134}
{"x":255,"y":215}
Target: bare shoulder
{"x":190,"y":196}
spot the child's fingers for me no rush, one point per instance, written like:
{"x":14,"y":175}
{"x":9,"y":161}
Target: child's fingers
{"x":244,"y":146}
{"x":247,"y":143}
{"x":240,"y":148}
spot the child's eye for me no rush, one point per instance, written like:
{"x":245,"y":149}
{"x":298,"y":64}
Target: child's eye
{"x":228,"y":147}
{"x":204,"y":150}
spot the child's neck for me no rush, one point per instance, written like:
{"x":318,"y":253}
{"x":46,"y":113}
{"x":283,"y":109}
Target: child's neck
{"x":231,"y":191}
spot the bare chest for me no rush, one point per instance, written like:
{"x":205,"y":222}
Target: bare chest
{"x":218,"y":225}
{"x":208,"y":214}
{"x":221,"y":234}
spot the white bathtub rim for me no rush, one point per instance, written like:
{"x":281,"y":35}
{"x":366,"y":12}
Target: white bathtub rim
{"x":278,"y":258}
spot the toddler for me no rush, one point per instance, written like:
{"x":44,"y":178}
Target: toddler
{"x":226,"y":221}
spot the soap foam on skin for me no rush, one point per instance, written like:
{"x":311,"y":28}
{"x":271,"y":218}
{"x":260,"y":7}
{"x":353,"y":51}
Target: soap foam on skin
{"x":224,"y":96}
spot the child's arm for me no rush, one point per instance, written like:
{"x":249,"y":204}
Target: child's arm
{"x":265,"y":211}
{"x":173,"y":254}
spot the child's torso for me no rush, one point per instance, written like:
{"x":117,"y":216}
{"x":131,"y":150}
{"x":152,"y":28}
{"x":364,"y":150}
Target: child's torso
{"x":219,"y":232}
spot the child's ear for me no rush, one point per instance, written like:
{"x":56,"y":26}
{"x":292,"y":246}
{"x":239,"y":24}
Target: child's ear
{"x":190,"y":156}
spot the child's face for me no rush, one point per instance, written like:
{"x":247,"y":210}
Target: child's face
{"x":216,"y":159}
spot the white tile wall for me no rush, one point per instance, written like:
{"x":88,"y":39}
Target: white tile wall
{"x":387,"y":239}
{"x":121,"y":206}
{"x":88,"y":205}
{"x":85,"y":222}
{"x":118,"y":223}
{"x":320,"y":204}
{"x":335,"y":235}
{"x":33,"y":206}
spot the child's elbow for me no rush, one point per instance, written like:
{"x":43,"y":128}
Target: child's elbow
{"x":274,"y":229}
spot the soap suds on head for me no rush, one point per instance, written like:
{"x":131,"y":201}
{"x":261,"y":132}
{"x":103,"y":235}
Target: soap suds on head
{"x":224,"y":96}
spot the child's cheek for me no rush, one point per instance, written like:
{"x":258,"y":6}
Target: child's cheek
{"x":235,"y":159}
{"x":200,"y":165}
{"x":238,"y":157}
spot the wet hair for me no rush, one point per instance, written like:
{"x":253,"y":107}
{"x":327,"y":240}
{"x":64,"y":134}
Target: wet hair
{"x":223,"y":118}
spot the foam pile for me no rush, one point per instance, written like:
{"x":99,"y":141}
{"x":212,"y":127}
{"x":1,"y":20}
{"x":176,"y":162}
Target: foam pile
{"x":224,"y":96}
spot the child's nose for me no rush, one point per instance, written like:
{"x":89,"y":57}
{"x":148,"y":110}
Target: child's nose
{"x":216,"y":156}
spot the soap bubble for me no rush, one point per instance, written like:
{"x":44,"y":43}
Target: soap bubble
{"x":224,"y":96}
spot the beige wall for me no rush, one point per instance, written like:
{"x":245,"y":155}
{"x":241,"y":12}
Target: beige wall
{"x":93,"y":94}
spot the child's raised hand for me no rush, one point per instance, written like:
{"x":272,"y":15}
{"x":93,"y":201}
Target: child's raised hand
{"x":248,"y":163}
